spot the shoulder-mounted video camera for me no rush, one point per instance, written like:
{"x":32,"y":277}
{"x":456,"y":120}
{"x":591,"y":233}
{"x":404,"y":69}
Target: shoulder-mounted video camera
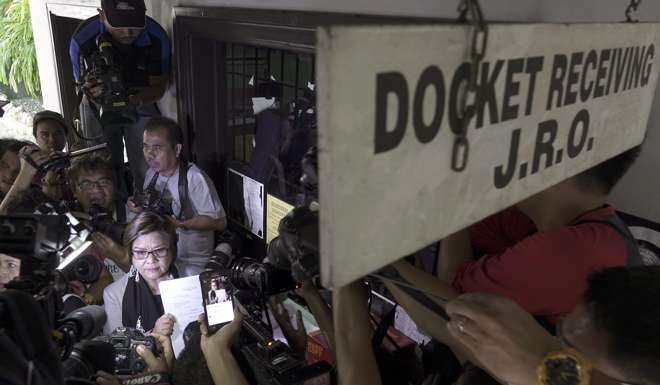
{"x":265,"y":360}
{"x":114,"y":103}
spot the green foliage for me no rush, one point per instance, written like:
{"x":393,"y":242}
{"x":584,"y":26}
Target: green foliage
{"x":18,"y":59}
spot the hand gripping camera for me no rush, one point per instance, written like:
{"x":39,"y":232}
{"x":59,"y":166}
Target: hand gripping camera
{"x":115,"y":107}
{"x":125,"y":341}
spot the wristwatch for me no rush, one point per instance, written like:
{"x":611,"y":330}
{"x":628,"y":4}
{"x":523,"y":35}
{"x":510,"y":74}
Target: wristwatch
{"x":564,"y":367}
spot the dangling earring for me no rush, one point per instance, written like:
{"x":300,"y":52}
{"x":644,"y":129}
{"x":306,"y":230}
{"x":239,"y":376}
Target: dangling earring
{"x":133,"y":273}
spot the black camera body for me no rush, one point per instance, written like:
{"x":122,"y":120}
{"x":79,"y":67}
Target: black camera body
{"x":114,"y":103}
{"x":152,"y":200}
{"x":103,"y":222}
{"x":125,"y":341}
{"x":271,"y":362}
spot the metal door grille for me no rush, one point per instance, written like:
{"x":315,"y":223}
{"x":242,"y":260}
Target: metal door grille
{"x":245,"y":64}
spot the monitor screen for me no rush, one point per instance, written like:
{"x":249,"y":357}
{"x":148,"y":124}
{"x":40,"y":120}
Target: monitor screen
{"x":246,"y":202}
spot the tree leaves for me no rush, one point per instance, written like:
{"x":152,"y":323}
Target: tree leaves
{"x":18,"y":59}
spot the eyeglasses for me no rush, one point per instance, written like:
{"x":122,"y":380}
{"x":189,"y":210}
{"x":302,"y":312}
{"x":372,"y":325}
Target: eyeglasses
{"x":159,"y":253}
{"x":90,"y":184}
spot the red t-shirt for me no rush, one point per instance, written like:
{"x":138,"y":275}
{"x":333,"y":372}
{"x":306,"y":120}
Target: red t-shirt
{"x":545,"y":272}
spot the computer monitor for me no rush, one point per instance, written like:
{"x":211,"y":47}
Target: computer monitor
{"x":246,"y":202}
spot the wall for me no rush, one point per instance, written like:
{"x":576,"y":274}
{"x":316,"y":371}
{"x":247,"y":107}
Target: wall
{"x":635,"y":194}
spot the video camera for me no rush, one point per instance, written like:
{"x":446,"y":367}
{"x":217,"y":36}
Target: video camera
{"x":115,"y":107}
{"x":291,"y":258}
{"x":266,"y":361}
{"x":51,"y":253}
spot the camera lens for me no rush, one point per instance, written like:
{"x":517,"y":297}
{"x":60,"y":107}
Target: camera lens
{"x":139,"y":366}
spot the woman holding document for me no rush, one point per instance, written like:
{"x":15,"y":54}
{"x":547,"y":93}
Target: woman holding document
{"x":134,"y":301}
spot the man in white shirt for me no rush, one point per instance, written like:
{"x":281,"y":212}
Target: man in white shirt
{"x":195,"y":206}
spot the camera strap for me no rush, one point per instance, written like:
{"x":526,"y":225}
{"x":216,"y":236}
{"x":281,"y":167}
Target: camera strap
{"x":148,"y":378}
{"x":186,"y":208}
{"x":187,"y":211}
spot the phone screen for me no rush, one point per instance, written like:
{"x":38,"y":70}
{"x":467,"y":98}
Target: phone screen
{"x":218,"y":305}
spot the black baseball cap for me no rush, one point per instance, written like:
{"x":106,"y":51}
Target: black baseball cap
{"x":125,"y":13}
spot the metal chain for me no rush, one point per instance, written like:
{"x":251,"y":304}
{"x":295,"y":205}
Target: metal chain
{"x":632,"y":7}
{"x":461,"y":148}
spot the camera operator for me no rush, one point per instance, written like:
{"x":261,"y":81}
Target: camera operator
{"x":195,"y":205}
{"x":93,"y":184}
{"x":134,"y":301}
{"x":613,"y":329}
{"x":50,"y":132}
{"x":141,"y":50}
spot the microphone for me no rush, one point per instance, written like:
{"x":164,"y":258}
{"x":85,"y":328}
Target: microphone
{"x":84,"y":323}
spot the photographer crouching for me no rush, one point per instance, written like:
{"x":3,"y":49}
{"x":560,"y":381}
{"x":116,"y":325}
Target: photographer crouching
{"x":92,"y":181}
{"x":182,"y":191}
{"x":121,"y":62}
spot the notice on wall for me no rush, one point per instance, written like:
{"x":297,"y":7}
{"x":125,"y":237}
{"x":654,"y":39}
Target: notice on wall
{"x":276,"y":209}
{"x":552,"y":101}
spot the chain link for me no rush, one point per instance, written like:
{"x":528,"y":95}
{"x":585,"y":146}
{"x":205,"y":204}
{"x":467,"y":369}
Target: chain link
{"x":632,"y":7}
{"x":478,"y":45}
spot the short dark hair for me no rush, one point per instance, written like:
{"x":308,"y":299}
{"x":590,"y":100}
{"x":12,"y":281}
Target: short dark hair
{"x":49,"y":115}
{"x":625,"y":304}
{"x":603,"y":177}
{"x":174,"y":131}
{"x":12,"y":145}
{"x":149,"y":222}
{"x":89,"y":164}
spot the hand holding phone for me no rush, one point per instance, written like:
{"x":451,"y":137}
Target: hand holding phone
{"x":218,"y":304}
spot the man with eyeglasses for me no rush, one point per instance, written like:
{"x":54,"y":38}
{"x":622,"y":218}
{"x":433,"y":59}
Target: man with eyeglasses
{"x":611,"y":337}
{"x":92,"y":181}
{"x":196,"y":209}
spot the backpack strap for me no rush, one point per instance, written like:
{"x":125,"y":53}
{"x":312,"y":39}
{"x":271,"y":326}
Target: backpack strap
{"x":634,"y":258}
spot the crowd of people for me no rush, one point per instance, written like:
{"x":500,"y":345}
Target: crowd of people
{"x":552,"y":291}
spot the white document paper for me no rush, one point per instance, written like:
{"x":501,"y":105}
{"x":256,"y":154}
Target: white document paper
{"x":183,"y":299}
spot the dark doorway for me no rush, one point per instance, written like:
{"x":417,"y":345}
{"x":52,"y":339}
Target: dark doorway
{"x":63,"y":28}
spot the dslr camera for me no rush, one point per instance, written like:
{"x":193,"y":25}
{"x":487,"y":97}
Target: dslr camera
{"x":151,"y":199}
{"x":125,"y":341}
{"x":115,"y":107}
{"x":103,"y":222}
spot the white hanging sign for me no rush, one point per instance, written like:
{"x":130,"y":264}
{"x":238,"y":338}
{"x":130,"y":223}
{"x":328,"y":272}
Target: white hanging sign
{"x":554,"y":100}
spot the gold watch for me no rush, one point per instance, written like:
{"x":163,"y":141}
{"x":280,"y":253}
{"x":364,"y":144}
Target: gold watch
{"x":564,"y":367}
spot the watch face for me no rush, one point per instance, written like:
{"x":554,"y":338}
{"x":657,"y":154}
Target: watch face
{"x":563,"y":371}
